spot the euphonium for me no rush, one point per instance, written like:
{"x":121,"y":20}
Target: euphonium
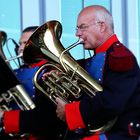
{"x":44,"y":43}
{"x":12,"y":93}
{"x":72,"y":80}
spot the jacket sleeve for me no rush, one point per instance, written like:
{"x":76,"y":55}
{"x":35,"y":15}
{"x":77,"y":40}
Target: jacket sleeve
{"x":11,"y":121}
{"x":73,"y":116}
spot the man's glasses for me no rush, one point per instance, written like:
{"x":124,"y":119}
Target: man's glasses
{"x":83,"y":27}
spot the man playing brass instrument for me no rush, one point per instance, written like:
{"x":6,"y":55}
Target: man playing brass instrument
{"x":116,"y":69}
{"x":25,"y":72}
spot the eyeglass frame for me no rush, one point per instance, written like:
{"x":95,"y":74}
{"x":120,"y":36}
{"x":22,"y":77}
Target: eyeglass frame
{"x":83,"y":26}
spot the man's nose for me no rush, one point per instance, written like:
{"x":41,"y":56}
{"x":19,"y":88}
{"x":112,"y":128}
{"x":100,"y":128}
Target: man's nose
{"x":21,"y":48}
{"x":78,"y":32}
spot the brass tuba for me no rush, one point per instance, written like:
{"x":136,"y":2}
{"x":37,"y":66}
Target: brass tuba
{"x":12,"y":93}
{"x":72,"y":80}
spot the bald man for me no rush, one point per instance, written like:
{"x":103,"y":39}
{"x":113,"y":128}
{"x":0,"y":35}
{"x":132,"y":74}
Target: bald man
{"x":115,"y":68}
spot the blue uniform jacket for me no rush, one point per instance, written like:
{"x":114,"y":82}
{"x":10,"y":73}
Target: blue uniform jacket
{"x":25,"y":76}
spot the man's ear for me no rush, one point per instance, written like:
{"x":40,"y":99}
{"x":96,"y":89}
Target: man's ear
{"x":103,"y":26}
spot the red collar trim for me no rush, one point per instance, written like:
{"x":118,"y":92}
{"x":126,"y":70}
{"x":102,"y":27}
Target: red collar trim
{"x":39,"y":63}
{"x":107,"y":44}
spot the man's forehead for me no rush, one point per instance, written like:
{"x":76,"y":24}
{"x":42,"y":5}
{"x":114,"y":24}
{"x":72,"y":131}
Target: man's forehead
{"x":26,"y":35}
{"x":84,"y":20}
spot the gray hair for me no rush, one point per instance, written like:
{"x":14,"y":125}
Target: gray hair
{"x":103,"y":15}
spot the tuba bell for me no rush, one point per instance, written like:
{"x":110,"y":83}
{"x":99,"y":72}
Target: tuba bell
{"x":73,"y":81}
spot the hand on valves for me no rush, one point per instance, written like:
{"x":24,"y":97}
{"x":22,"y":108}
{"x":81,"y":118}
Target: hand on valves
{"x":60,"y":104}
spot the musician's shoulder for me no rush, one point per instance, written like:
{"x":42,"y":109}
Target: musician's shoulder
{"x":121,"y":58}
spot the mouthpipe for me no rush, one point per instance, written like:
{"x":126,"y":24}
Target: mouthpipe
{"x":14,"y":57}
{"x":80,"y":41}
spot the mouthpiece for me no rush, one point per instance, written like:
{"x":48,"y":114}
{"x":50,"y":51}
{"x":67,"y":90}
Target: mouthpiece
{"x":80,"y":41}
{"x":14,"y":57}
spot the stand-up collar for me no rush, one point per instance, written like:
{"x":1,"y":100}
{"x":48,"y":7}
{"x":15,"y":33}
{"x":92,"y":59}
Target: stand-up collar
{"x":104,"y":47}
